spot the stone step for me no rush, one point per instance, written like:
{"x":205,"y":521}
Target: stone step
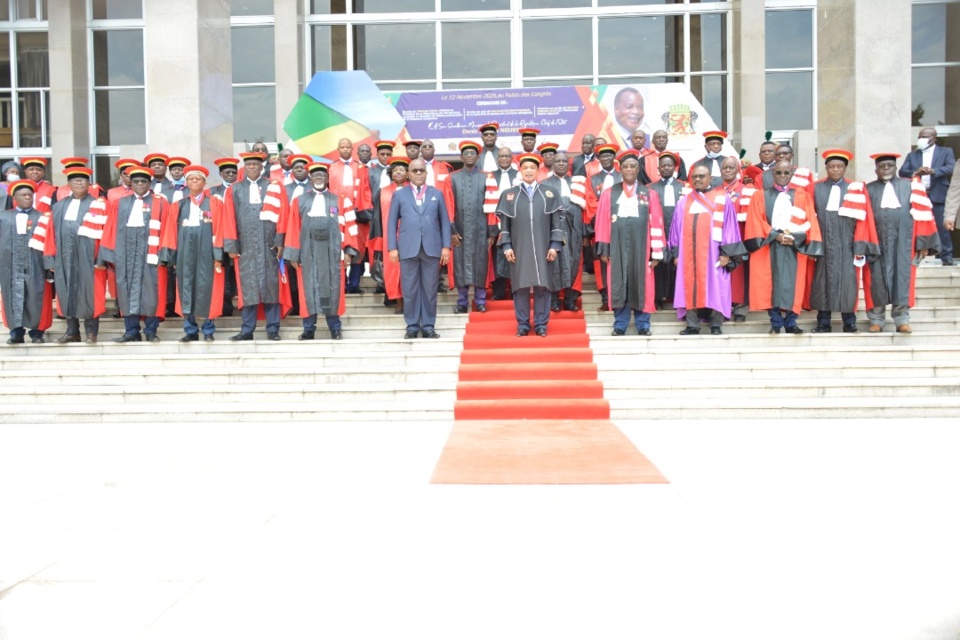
{"x":613,"y":370}
{"x":695,"y":408}
{"x":671,"y":339}
{"x":887,"y":389}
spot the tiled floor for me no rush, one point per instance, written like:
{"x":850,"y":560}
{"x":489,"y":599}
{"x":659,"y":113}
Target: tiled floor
{"x":772,"y":529}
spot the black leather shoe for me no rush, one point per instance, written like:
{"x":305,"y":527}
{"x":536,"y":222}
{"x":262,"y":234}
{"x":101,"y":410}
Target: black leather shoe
{"x":618,"y":332}
{"x":379,"y":290}
{"x":355,"y":291}
{"x":850,"y":328}
{"x":430,"y":334}
{"x":461,"y":308}
{"x":570,"y":306}
{"x":948,"y":263}
{"x":823,"y":328}
{"x":37,"y":340}
{"x":716,"y":331}
{"x":522,"y":332}
{"x":67,"y":338}
{"x":242,"y":336}
{"x":794,"y":330}
{"x":151,"y":337}
{"x":128,"y":338}
{"x":190,"y":338}
{"x":481,"y":308}
{"x":335,"y":334}
{"x":555,"y":306}
{"x":387,"y":302}
{"x":116,"y":314}
{"x":275,"y":337}
{"x":690,"y":331}
{"x":91,"y":339}
{"x":774,"y":330}
{"x":208,"y":338}
{"x":603,"y":307}
{"x":739,"y":317}
{"x":644,"y":332}
{"x":306,"y":335}
{"x":15,"y":340}
{"x":411,"y":335}
{"x":541,"y":331}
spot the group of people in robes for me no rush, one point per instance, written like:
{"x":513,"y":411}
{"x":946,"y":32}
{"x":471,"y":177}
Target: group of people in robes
{"x":725,"y":238}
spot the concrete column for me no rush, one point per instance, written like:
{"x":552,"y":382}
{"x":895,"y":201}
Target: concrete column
{"x":188,"y":75}
{"x":749,"y":117}
{"x":288,"y":41}
{"x":69,"y":89}
{"x":863,"y":79}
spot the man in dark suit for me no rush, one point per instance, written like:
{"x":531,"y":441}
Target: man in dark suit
{"x":578,"y":166}
{"x":934,"y":166}
{"x":418,"y":235}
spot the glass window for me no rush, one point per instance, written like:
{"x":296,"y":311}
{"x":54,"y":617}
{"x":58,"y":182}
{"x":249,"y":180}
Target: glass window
{"x":555,"y":4}
{"x":251,"y":7}
{"x":27,"y":10}
{"x":329,"y":48}
{"x":557,"y":48}
{"x":789,"y":39}
{"x":485,"y":84}
{"x":790,"y":100}
{"x":463,"y":59}
{"x":4,"y":11}
{"x":708,"y":42}
{"x":328,"y":6}
{"x":931,"y":24}
{"x":936,"y":95}
{"x":474,"y":5}
{"x":34,"y":118}
{"x":633,"y":3}
{"x":711,"y":91}
{"x":641,"y":44}
{"x":254,"y":113}
{"x":117,"y":9}
{"x":407,"y":86}
{"x":567,"y":82}
{"x":33,"y":69}
{"x":6,"y":119}
{"x":104,"y":171}
{"x":5,"y":75}
{"x":118,"y":58}
{"x":391,"y":6}
{"x":396,"y":51}
{"x":639,"y":79}
{"x":120,"y":117}
{"x":253,"y":54}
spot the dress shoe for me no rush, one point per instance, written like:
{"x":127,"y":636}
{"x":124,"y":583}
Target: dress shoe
{"x":555,"y":306}
{"x":499,"y":297}
{"x":603,"y":307}
{"x":15,"y":340}
{"x":875,"y":328}
{"x":716,"y":331}
{"x":128,"y":338}
{"x":774,"y":331}
{"x":795,"y":330}
{"x":151,"y":337}
{"x":354,"y":291}
{"x":91,"y":339}
{"x":411,"y":335}
{"x":441,"y":288}
{"x":67,"y":338}
{"x":242,"y":336}
{"x":825,"y":328}
{"x":904,"y":328}
{"x":37,"y":340}
{"x":481,"y":308}
{"x":379,"y":290}
{"x":461,"y":308}
{"x":739,"y":317}
{"x":430,"y":334}
{"x":522,"y":332}
{"x":335,"y":334}
{"x":273,"y":335}
{"x":644,"y":332}
{"x":948,"y":263}
{"x":194,"y":337}
{"x":208,"y":338}
{"x":387,"y":302}
{"x":541,"y":331}
{"x":850,"y":328}
{"x":570,"y":306}
{"x":690,"y":331}
{"x":618,"y":332}
{"x":306,"y":335}
{"x":116,"y":314}
{"x":658,"y":305}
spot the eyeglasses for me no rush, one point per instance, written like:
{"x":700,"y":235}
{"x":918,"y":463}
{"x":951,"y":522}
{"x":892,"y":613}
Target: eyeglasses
{"x":418,"y":170}
{"x":783,"y":173}
{"x":700,"y":177}
{"x":138,"y":180}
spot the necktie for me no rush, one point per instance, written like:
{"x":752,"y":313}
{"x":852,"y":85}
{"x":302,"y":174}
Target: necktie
{"x":833,"y":202}
{"x":419,"y":194}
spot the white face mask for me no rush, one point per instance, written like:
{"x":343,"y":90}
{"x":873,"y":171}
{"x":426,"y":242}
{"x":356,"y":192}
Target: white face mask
{"x":923,"y":143}
{"x":13,"y":177}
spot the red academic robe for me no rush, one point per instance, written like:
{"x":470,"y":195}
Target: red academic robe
{"x":169,"y":235}
{"x":758,"y":229}
{"x":91,"y":227}
{"x":358,"y":193}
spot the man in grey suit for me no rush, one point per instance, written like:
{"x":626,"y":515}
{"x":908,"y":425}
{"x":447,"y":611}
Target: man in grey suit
{"x":418,"y":235}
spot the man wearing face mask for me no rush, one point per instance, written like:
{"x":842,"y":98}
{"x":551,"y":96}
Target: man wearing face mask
{"x":934,"y":166}
{"x":907,"y":232}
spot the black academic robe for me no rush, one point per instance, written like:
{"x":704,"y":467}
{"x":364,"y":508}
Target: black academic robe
{"x":567,"y":265}
{"x":471,"y":258}
{"x":665,"y":273}
{"x":197,"y":247}
{"x":80,"y":287}
{"x":23,"y":287}
{"x":529,"y":226}
{"x":252,"y":232}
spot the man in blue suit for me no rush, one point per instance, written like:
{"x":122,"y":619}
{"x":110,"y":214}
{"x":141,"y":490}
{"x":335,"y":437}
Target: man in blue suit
{"x":418,"y":236}
{"x":934,"y":166}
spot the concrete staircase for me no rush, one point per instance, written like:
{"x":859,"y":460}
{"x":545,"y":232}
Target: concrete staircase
{"x":374,"y":374}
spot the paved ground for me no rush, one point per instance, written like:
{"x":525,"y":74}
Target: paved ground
{"x":773,"y":529}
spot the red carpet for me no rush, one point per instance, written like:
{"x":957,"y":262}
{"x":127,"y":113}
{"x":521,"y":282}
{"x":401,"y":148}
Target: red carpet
{"x":531,"y":410}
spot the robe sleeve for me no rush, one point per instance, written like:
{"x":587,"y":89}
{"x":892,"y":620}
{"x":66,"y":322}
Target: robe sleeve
{"x":757,"y":233}
{"x":655,"y":227}
{"x":811,"y":245}
{"x":445,"y":226}
{"x":732,"y":245}
{"x":278,"y":191}
{"x":169,"y":228}
{"x":364,"y":204}
{"x":291,"y":245}
{"x":108,"y":243}
{"x":506,"y":214}
{"x":393,"y":221}
{"x":676,"y":228}
{"x":50,"y":246}
{"x":231,"y":243}
{"x":602,"y":223}
{"x":375,"y":239}
{"x":350,"y":232}
{"x":216,"y":214}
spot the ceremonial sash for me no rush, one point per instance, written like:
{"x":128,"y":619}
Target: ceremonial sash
{"x":39,"y":237}
{"x":578,"y":191}
{"x":744,"y":203}
{"x":93,"y":220}
{"x":270,"y":211}
{"x":854,"y":204}
{"x":153,"y":240}
{"x":716,"y":233}
{"x":921,"y":209}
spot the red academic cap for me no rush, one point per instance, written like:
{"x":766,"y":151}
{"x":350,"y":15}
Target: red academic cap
{"x":317,"y":166}
{"x":529,"y":132}
{"x":529,"y":157}
{"x":177,"y":161}
{"x":837,"y":154}
{"x":885,"y":155}
{"x":414,"y":143}
{"x":123,"y":163}
{"x":629,"y":153}
{"x":469,"y":144}
{"x":36,"y":162}
{"x":140,"y":171}
{"x":196,"y":168}
{"x":156,"y":156}
{"x":23,"y":184}
{"x":384,"y":144}
{"x":494,"y":126}
{"x":606,"y":148}
{"x":671,"y":154}
{"x":548,"y":147}
{"x":753,"y":172}
{"x":299,"y":157}
{"x":720,"y":135}
{"x":223,"y":163}
{"x":74,"y":161}
{"x":252,"y":155}
{"x":76,"y":171}
{"x":404,"y":160}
